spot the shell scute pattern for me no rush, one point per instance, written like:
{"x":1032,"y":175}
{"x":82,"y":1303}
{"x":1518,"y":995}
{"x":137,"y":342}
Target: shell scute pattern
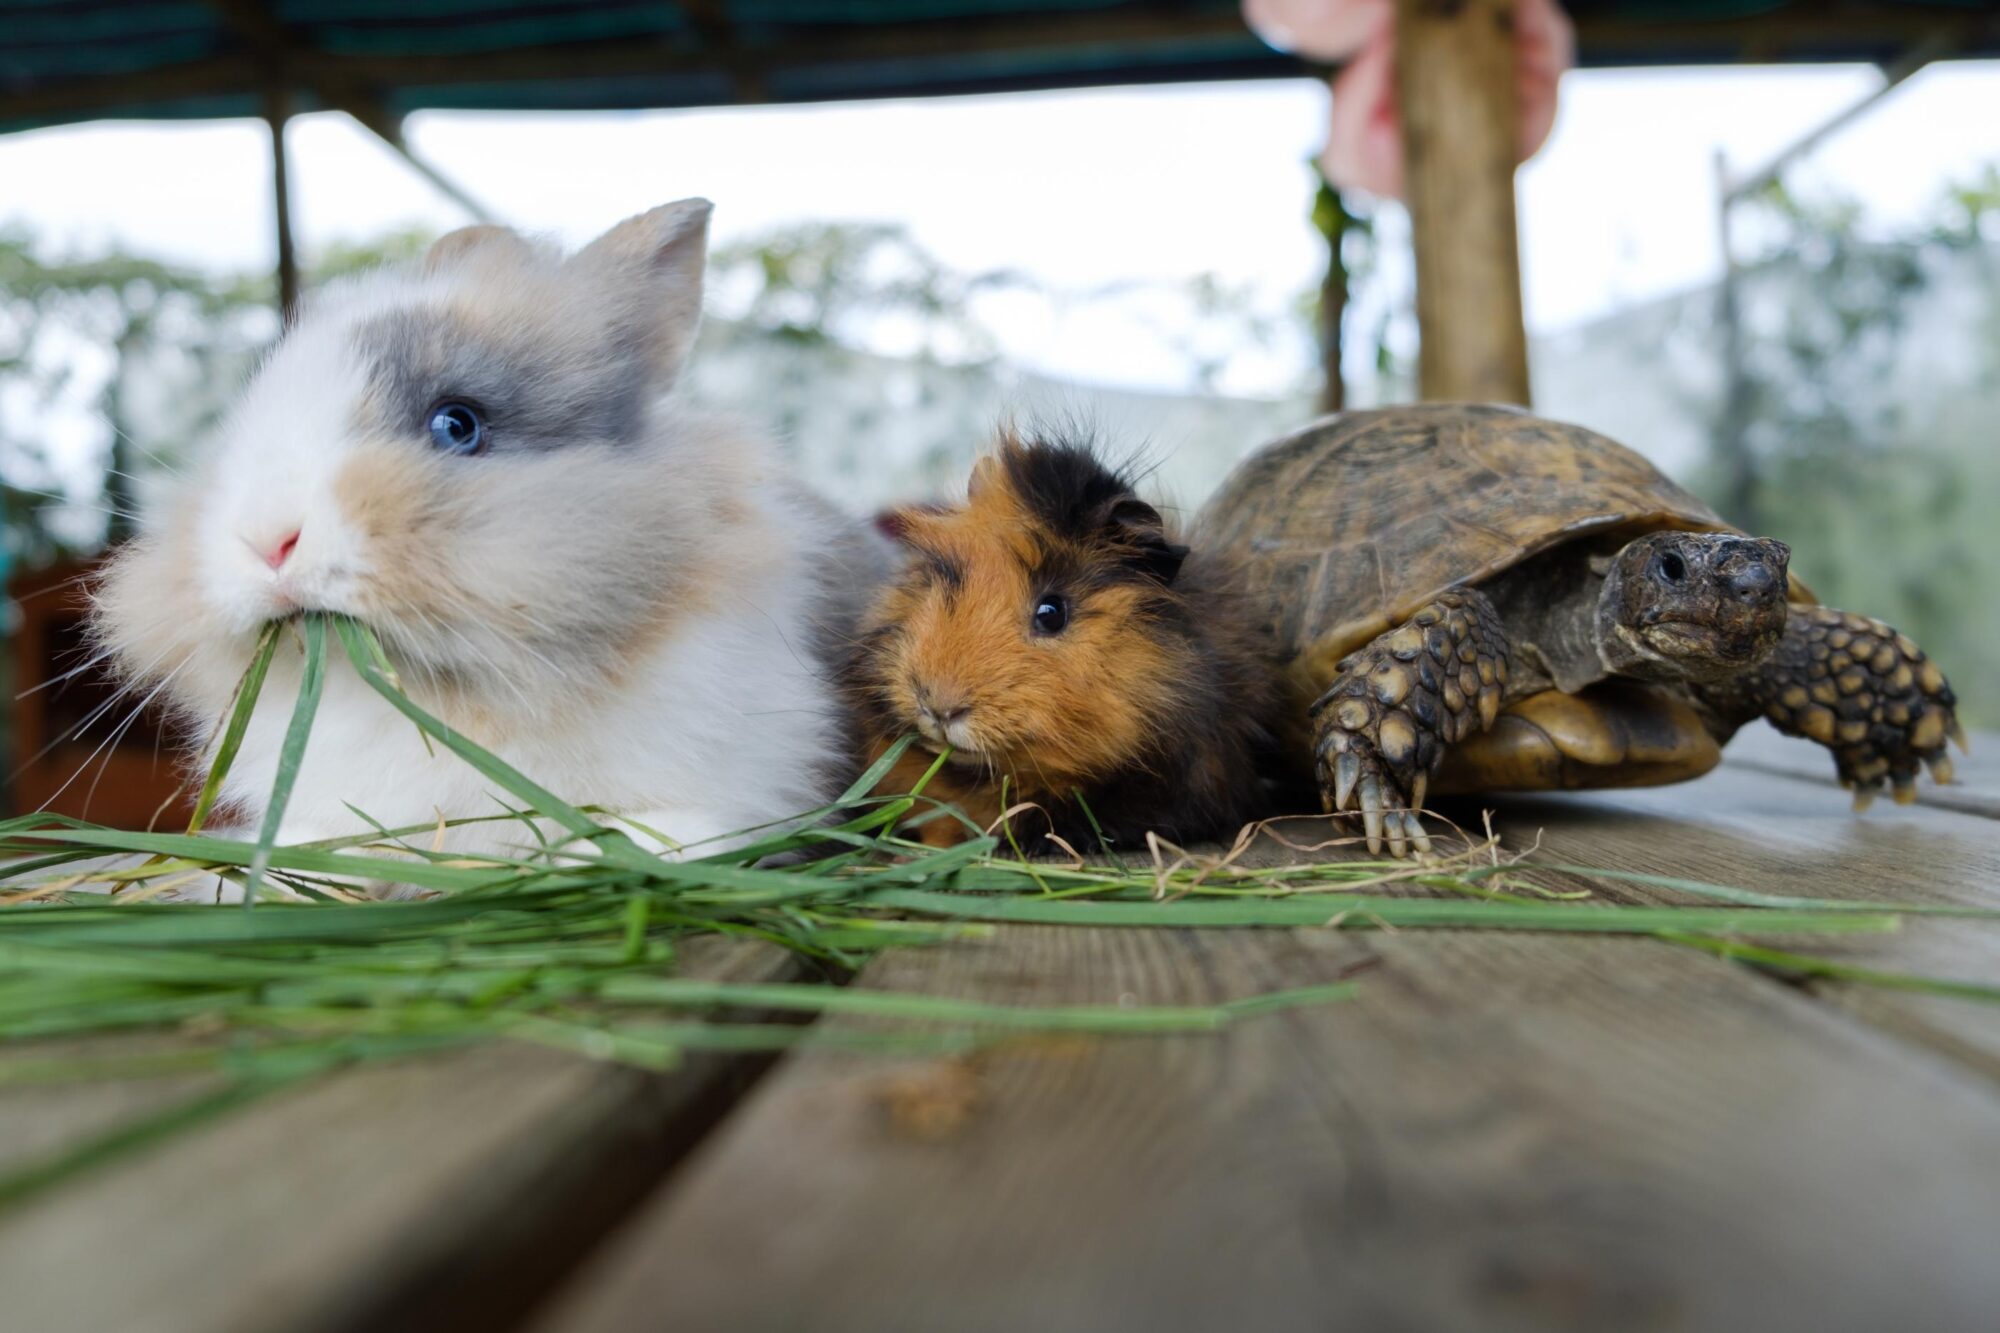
{"x":1359,"y":519}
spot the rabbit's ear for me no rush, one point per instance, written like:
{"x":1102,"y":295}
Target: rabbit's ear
{"x":656,"y":261}
{"x":450,"y":249}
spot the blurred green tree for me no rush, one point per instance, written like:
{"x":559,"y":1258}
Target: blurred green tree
{"x":1870,"y":373}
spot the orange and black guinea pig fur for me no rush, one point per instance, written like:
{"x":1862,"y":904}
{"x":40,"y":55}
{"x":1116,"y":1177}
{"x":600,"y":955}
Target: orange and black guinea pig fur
{"x":1052,"y":634}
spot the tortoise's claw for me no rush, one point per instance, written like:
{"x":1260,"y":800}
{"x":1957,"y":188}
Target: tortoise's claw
{"x":1942,"y":771}
{"x":1957,"y":735}
{"x":1371,"y":812}
{"x":1413,"y":823}
{"x":1863,"y":797}
{"x":1413,"y":829}
{"x":1346,"y":772}
{"x":1904,"y":790}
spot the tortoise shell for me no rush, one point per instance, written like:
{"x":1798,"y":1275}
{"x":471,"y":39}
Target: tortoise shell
{"x":1345,"y":528}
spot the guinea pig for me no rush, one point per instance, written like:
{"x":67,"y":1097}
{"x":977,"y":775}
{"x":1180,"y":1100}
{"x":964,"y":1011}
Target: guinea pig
{"x":1054,"y":638}
{"x":480,"y":458}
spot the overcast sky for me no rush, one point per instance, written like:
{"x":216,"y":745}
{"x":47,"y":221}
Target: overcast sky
{"x":1079,"y":189}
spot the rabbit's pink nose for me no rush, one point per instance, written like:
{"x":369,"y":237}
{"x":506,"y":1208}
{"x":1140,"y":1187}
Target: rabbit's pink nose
{"x":276,"y":554}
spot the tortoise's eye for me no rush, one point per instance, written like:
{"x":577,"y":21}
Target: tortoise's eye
{"x":1051,"y":614}
{"x":1673,"y":567}
{"x":458,"y":428}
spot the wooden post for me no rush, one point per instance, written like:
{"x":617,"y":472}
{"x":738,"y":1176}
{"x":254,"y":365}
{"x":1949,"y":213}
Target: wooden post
{"x":1455,"y":86}
{"x":277,"y":109}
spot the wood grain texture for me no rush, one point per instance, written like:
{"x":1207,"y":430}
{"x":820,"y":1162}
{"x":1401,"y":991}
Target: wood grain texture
{"x":1976,"y":790}
{"x":1754,"y":829}
{"x":428,"y":1193}
{"x":1500,"y":1133}
{"x":1455,"y":84}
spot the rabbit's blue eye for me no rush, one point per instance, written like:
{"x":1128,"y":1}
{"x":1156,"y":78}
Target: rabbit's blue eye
{"x":457,"y":428}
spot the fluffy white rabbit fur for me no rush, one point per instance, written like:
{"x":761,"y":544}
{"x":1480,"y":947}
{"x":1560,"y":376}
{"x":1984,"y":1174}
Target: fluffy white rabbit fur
{"x":631,"y":603}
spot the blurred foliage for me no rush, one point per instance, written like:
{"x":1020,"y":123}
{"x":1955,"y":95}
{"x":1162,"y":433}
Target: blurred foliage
{"x":151,"y":352}
{"x":1870,"y":379}
{"x":855,"y":285}
{"x":118,"y":315}
{"x":873,"y":288}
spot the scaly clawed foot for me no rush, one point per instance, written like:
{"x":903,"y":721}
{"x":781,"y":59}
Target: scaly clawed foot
{"x":1869,"y":695}
{"x":1380,"y":731}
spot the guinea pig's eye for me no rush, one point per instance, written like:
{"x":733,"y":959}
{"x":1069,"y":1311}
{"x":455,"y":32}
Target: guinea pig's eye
{"x":1051,"y":615}
{"x":457,"y":428}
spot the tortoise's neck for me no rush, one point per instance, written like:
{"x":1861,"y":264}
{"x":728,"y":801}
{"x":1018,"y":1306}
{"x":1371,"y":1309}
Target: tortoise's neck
{"x":1549,"y":605}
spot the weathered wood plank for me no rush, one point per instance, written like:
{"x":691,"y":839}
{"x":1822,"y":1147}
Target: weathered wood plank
{"x":1754,"y":829}
{"x":43,"y":1120}
{"x":1976,"y":790}
{"x":432,"y":1192}
{"x":1502,"y":1132}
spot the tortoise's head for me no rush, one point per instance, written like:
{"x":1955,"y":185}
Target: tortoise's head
{"x":1692,"y":605}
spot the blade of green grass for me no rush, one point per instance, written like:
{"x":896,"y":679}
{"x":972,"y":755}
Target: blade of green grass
{"x":290,"y":755}
{"x":363,"y":651}
{"x":1751,"y":898}
{"x":1364,"y":912}
{"x":240,"y":708}
{"x":1834,"y":970}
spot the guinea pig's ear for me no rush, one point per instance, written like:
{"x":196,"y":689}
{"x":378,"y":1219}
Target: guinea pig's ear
{"x":453,"y":247}
{"x":985,"y":471}
{"x":656,"y":260}
{"x":900,"y":524}
{"x":1135,"y":525}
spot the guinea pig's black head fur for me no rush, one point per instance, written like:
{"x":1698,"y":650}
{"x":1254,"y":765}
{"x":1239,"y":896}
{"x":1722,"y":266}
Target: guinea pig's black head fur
{"x":1053,"y":633}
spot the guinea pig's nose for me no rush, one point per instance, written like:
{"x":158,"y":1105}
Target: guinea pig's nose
{"x":1753,"y":582}
{"x":942,"y":707}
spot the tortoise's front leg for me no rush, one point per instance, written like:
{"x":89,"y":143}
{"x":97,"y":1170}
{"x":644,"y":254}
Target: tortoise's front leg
{"x":1380,"y":731}
{"x":1857,"y":687}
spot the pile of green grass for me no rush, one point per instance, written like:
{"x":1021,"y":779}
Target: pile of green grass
{"x":572,"y":941}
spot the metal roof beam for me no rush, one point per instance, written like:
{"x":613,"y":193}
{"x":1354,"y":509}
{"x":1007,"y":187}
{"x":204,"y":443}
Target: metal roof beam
{"x":1936,"y":47}
{"x":337,"y":88}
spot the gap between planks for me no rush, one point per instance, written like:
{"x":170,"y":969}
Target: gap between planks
{"x":431,"y":1193}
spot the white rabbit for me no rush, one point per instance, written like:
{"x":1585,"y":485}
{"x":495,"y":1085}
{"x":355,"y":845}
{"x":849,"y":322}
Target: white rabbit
{"x":478,"y":457}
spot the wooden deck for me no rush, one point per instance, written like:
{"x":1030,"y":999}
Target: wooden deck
{"x":1501,"y":1132}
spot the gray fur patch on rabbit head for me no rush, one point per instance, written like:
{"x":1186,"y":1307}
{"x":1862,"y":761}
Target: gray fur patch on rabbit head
{"x":553,"y":353}
{"x":549,"y":558}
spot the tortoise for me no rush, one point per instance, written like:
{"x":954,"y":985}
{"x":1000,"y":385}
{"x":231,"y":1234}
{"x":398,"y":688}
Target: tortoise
{"x":1472,"y":598}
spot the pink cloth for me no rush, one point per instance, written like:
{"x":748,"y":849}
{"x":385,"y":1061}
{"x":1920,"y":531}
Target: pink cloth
{"x":1364,"y":147}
